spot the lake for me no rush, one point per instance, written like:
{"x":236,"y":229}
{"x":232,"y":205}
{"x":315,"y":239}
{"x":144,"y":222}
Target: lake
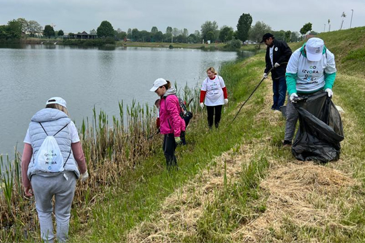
{"x":88,"y":78}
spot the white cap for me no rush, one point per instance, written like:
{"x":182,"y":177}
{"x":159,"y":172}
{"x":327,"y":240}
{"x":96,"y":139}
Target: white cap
{"x":56,"y":100}
{"x":314,"y":49}
{"x":158,"y":83}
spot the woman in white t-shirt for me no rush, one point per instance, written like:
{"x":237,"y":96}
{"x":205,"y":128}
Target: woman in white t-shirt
{"x":214,"y":95}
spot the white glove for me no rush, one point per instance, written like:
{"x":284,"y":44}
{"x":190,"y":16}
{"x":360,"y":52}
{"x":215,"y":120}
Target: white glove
{"x":264,"y":75}
{"x":276,"y":65}
{"x":225,"y":101}
{"x":178,"y":140}
{"x":202,"y":105}
{"x":83,"y":177}
{"x":329,"y":92}
{"x":292,"y":97}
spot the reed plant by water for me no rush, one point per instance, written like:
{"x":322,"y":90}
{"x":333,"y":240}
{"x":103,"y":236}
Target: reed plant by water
{"x":112,"y":147}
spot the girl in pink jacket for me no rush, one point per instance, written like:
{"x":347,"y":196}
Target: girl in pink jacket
{"x":171,"y":124}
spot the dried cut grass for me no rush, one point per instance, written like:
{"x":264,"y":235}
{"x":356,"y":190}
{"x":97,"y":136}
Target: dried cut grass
{"x":305,"y":194}
{"x":301,"y":194}
{"x":181,"y":211}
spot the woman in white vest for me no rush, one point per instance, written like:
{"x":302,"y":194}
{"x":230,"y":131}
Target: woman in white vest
{"x":51,"y":163}
{"x":214,"y":95}
{"x":311,"y":69}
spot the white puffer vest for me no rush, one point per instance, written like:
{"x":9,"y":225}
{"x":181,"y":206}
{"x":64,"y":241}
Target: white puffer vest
{"x":52,"y":120}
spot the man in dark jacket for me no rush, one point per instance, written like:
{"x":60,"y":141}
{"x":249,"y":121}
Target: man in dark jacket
{"x":277,"y":57}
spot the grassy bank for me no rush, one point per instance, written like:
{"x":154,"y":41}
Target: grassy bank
{"x":274,"y":198}
{"x":234,"y":184}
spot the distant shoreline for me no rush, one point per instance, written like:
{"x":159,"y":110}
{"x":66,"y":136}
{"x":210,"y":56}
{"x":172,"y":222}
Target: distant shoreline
{"x":100,"y":42}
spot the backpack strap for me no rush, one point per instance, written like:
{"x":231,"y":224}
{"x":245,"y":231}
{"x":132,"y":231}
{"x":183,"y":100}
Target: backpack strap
{"x":69,"y":154}
{"x":43,"y":128}
{"x":56,"y":132}
{"x":60,"y":129}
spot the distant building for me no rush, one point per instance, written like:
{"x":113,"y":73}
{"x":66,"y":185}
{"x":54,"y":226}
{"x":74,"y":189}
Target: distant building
{"x":85,"y":35}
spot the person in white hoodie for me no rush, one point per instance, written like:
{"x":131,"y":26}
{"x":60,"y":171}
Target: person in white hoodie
{"x":52,"y":173}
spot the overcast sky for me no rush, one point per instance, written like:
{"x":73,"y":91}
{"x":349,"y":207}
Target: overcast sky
{"x":85,"y":15}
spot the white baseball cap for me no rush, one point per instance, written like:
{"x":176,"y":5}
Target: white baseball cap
{"x":314,"y":49}
{"x":158,"y":83}
{"x":56,"y":100}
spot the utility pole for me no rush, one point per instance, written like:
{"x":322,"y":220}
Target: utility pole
{"x":351,"y":17}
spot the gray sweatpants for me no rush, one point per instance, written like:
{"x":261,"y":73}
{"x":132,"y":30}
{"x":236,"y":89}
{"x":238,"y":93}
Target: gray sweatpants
{"x":291,"y":120}
{"x":62,"y":186}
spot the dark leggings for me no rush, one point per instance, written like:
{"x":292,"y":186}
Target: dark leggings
{"x":169,"y":146}
{"x":211,"y":110}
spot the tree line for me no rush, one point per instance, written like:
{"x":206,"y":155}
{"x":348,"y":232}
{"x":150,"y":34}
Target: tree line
{"x":209,"y":32}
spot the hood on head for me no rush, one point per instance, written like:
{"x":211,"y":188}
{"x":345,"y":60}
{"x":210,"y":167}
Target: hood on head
{"x":48,"y":114}
{"x":170,"y":91}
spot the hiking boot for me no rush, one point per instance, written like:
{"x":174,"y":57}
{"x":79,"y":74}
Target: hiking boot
{"x":286,"y":144}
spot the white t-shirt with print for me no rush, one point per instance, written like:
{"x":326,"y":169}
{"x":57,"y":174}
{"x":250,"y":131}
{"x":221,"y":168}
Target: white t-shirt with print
{"x":310,"y":75}
{"x":72,"y":130}
{"x":214,"y":95}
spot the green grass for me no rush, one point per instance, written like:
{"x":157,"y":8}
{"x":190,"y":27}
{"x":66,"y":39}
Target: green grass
{"x":140,"y":192}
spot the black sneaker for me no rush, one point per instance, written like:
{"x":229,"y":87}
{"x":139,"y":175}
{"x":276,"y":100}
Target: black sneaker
{"x":286,"y":144}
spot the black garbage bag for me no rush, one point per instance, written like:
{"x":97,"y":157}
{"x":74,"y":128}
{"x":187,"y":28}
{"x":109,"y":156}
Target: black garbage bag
{"x":320,"y":129}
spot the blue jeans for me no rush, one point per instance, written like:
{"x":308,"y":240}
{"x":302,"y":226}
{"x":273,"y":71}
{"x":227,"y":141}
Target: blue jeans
{"x":279,"y":90}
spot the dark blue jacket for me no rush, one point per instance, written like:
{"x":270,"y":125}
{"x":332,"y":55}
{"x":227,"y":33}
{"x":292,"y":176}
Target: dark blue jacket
{"x":281,"y":55}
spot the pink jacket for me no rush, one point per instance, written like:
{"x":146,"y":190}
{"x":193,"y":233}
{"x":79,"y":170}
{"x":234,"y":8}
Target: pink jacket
{"x":170,"y":119}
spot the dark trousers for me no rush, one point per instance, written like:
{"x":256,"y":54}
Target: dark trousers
{"x":182,"y":137}
{"x":279,"y":90}
{"x":214,"y":110}
{"x":169,"y":146}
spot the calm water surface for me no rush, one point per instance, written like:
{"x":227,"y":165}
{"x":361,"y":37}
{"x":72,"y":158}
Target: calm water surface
{"x":88,"y":78}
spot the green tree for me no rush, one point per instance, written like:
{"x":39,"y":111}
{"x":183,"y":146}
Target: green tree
{"x":158,"y":37}
{"x":93,"y":32}
{"x":60,"y":33}
{"x":235,"y":44}
{"x":294,"y":36}
{"x":226,"y":34}
{"x":176,"y":32}
{"x":144,"y":36}
{"x":279,"y":35}
{"x":15,"y":29}
{"x":287,"y":35}
{"x":185,"y":32}
{"x":192,"y":38}
{"x":11,"y":31}
{"x":243,"y":26}
{"x":169,"y":30}
{"x":258,"y":30}
{"x":105,"y":29}
{"x":135,"y":34}
{"x":154,"y":30}
{"x":119,"y":34}
{"x":210,"y":36}
{"x":306,"y":28}
{"x":24,"y":24}
{"x":129,"y":33}
{"x":34,"y":27}
{"x":48,"y":31}
{"x":211,"y":27}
